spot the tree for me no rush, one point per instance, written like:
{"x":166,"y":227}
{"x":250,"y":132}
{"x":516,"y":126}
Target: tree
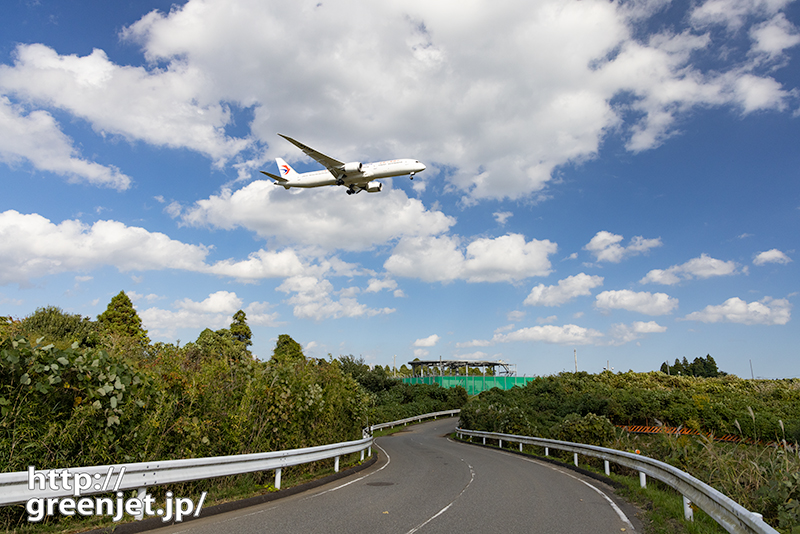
{"x":121,"y":320}
{"x":239,"y":329}
{"x":287,"y":350}
{"x":60,"y":328}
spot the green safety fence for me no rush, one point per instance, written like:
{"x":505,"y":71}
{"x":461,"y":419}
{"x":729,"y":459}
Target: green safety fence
{"x":473,"y":384}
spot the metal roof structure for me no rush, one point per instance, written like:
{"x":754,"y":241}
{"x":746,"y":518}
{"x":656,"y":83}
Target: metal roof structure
{"x":419,"y":366}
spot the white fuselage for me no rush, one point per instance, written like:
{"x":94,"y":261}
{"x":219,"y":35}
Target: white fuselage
{"x":368,"y":172}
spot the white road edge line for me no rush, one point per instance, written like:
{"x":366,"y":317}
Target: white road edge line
{"x":614,"y":506}
{"x":384,"y":466}
{"x":443,"y":510}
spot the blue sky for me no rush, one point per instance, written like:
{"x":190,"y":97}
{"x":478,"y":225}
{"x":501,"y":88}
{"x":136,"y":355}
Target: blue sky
{"x":616,"y":178}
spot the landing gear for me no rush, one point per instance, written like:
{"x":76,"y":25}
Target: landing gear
{"x":412,"y":175}
{"x":350,"y":191}
{"x":340,"y":181}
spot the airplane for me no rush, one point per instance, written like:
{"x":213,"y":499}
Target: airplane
{"x":355,"y":176}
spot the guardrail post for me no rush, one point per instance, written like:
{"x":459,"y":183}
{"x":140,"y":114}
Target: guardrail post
{"x":278,"y":478}
{"x":484,"y":441}
{"x":362,"y":455}
{"x":369,"y":451}
{"x":140,"y":493}
{"x":642,"y":479}
{"x":607,"y":467}
{"x":688,"y":513}
{"x":520,"y":447}
{"x":547,"y":451}
{"x":501,"y":443}
{"x":575,"y":459}
{"x":336,"y":465}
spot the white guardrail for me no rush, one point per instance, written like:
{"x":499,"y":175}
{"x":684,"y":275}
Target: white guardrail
{"x":14,"y":487}
{"x":729,"y":514}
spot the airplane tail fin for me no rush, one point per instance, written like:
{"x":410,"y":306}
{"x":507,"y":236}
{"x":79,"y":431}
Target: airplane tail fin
{"x":287,"y":172}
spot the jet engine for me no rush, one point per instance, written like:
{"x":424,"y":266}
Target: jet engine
{"x":374,"y":187}
{"x":352,"y":168}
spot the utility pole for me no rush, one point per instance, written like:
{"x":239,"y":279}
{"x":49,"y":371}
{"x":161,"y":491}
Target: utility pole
{"x":751,"y":370}
{"x":576,"y":360}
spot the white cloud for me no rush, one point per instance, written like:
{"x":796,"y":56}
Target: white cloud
{"x":703,"y":267}
{"x":215,"y":312}
{"x":32,"y":246}
{"x":164,"y":107}
{"x":502,"y":216}
{"x":771,"y":256}
{"x":324,"y":217}
{"x":767,"y":311}
{"x":429,"y":341}
{"x":774,"y":36}
{"x":605,"y":246}
{"x":562,"y":65}
{"x":420,"y":353}
{"x":507,"y":258}
{"x":641,"y":302}
{"x":622,"y":333}
{"x":312,"y":299}
{"x":515,"y":315}
{"x":733,"y":13}
{"x":376,"y":285}
{"x":569,"y":334}
{"x":566,"y":290}
{"x":219,"y":302}
{"x":36,"y":138}
{"x":547,"y":320}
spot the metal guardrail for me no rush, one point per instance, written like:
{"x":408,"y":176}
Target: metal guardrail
{"x":732,"y":516}
{"x":392,"y":424}
{"x":14,"y":487}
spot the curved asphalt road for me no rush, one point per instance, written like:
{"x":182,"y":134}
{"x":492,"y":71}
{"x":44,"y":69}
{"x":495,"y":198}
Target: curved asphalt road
{"x":428,"y":484}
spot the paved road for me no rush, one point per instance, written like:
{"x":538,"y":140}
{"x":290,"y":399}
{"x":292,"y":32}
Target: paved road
{"x":426,"y":483}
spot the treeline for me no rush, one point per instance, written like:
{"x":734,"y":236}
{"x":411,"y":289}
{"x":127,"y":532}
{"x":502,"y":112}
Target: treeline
{"x":390,"y":399}
{"x":702,"y":367}
{"x":758,"y":409}
{"x":76,"y":391}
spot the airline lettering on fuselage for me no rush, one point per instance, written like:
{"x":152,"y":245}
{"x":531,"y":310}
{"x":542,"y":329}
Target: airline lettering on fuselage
{"x":355,"y":176}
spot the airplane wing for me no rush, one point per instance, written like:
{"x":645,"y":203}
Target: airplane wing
{"x":328,"y":162}
{"x":277,"y":179}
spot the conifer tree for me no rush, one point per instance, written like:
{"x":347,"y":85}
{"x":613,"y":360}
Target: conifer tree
{"x":120,"y":319}
{"x":287,"y":350}
{"x":239,"y":329}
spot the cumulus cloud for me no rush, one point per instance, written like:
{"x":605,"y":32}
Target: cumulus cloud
{"x":641,"y":302}
{"x":767,"y":311}
{"x":576,"y":71}
{"x":35,"y":137}
{"x":620,"y":334}
{"x":507,"y":258}
{"x":164,"y":107}
{"x":566,"y":290}
{"x":703,"y":267}
{"x":376,"y":285}
{"x":32,"y":246}
{"x":429,"y":341}
{"x":771,"y":256}
{"x":605,"y":246}
{"x":325,"y":217}
{"x":214,"y":312}
{"x":569,"y":334}
{"x":311,"y":299}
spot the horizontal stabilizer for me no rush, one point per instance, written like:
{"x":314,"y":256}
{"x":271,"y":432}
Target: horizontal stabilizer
{"x":274,"y":177}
